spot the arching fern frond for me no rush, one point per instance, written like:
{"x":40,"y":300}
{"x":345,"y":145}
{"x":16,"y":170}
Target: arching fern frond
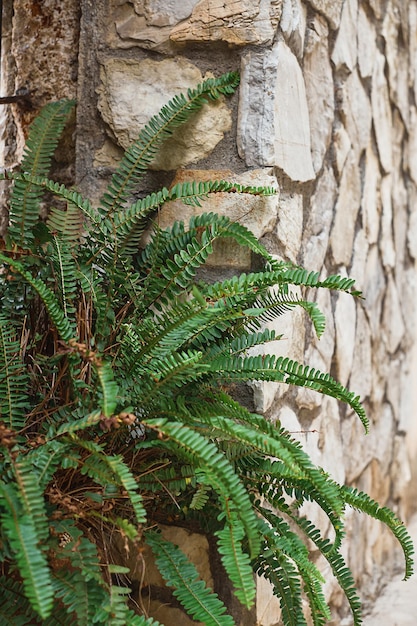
{"x":14,"y":378}
{"x":44,"y":134}
{"x":138,"y":157}
{"x":199,"y":601}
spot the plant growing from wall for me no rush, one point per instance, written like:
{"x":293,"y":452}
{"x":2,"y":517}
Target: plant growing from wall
{"x":115,"y":416}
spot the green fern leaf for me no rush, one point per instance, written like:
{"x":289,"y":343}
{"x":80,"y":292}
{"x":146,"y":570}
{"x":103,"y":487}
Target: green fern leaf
{"x":14,"y":379}
{"x":200,"y":602}
{"x":43,"y":138}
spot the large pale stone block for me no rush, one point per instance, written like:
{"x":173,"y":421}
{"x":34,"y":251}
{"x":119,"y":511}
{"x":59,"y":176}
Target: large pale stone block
{"x":345,"y":324}
{"x":319,"y":88}
{"x":256,"y":212}
{"x":273,"y":125}
{"x":397,"y":58}
{"x":356,"y":112}
{"x":411,"y":148}
{"x":132,"y":91}
{"x":381,"y":111}
{"x":347,"y":208}
{"x":359,"y":259}
{"x":371,"y":200}
{"x":367,"y":46}
{"x":387,"y":242}
{"x":147,"y":24}
{"x":342,"y":145}
{"x":392,"y":319}
{"x":237,"y":22}
{"x":319,"y":220}
{"x":331,"y":9}
{"x":290,"y":224}
{"x":374,"y":290}
{"x":293,"y":25}
{"x":361,"y":377}
{"x":345,"y":51}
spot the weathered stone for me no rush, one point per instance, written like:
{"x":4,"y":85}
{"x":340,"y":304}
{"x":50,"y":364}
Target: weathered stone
{"x":347,"y":207}
{"x":412,"y":234}
{"x":387,"y":247}
{"x":356,"y":457}
{"x":371,"y":202}
{"x":381,"y":111}
{"x":318,"y":222}
{"x":374,"y":289}
{"x":359,"y":259}
{"x":268,"y":609}
{"x":290,"y":224}
{"x":238,"y":22}
{"x":367,"y":46}
{"x":360,"y":381}
{"x":293,"y":25}
{"x":345,"y":51}
{"x":356,"y":113}
{"x":342,"y":145}
{"x":331,"y":9}
{"x":132,"y":91}
{"x":392,"y":320}
{"x":273,"y":125}
{"x":397,"y":59}
{"x":258,"y":213}
{"x":411,"y":150}
{"x":345,"y":324}
{"x":412,"y":56}
{"x":319,"y":89}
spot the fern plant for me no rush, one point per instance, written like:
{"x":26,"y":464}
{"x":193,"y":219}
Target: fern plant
{"x":115,"y":361}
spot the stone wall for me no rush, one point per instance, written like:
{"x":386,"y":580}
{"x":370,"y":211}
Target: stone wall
{"x":327,"y":112}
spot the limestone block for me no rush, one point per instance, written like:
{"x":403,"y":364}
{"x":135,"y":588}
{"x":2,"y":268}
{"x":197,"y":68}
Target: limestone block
{"x":360,"y":381}
{"x":132,"y":91}
{"x":342,"y":145}
{"x":387,"y":243}
{"x":331,"y":9}
{"x":291,"y":326}
{"x":371,"y":201}
{"x":332,"y":454}
{"x":345,"y":51}
{"x":412,"y":21}
{"x":374,"y":290}
{"x":237,"y":22}
{"x":147,"y":24}
{"x":397,"y":59}
{"x":356,"y":112}
{"x":392,"y":319}
{"x":258,"y":213}
{"x":367,"y":47}
{"x":357,"y":457}
{"x":273,"y":124}
{"x":347,"y":208}
{"x":400,"y":470}
{"x":268,"y":609}
{"x":381,"y":111}
{"x":412,"y":234}
{"x":318,"y":222}
{"x":319,"y":354}
{"x":359,"y":259}
{"x":345,"y":325}
{"x":293,"y":25}
{"x":290,"y":224}
{"x":319,"y":89}
{"x":411,"y":150}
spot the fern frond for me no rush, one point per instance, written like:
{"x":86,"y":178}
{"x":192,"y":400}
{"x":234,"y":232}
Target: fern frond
{"x":14,"y":379}
{"x":362,"y":502}
{"x":44,"y":134}
{"x":269,"y":367}
{"x":62,"y":323}
{"x":15,"y":610}
{"x":19,"y":528}
{"x":138,"y":157}
{"x":199,"y":601}
{"x":205,"y":454}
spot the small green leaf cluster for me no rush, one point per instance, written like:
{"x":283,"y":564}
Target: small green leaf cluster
{"x":117,"y":369}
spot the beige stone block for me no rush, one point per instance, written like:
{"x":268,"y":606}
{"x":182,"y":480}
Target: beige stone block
{"x":345,"y":52}
{"x":237,"y":22}
{"x":346,"y":212}
{"x":131,"y":92}
{"x":331,"y":9}
{"x":381,"y":111}
{"x":293,"y":25}
{"x":371,"y":198}
{"x":367,"y":43}
{"x":345,"y":324}
{"x":356,"y":112}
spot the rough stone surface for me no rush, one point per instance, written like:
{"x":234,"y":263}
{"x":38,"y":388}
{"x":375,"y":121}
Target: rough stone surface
{"x":133,"y":91}
{"x":346,"y":211}
{"x":331,"y":9}
{"x":274,"y":126}
{"x":345,"y":52}
{"x":237,"y":22}
{"x":381,"y":110}
{"x":319,"y":90}
{"x":356,"y":113}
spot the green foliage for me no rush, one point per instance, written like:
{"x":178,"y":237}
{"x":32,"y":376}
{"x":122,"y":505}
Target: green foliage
{"x":115,"y":419}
